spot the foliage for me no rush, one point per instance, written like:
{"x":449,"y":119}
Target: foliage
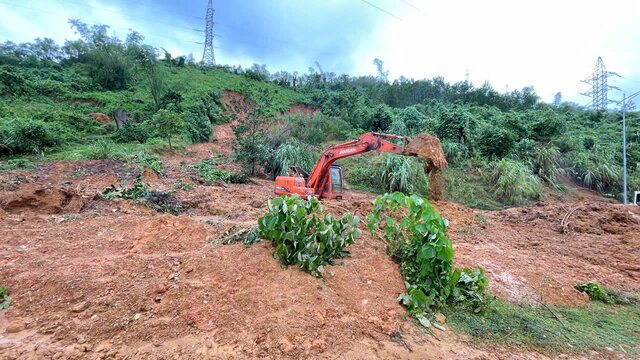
{"x":291,"y":153}
{"x":139,"y":191}
{"x":18,"y":164}
{"x":167,"y":123}
{"x":5,"y":299}
{"x":418,"y":242}
{"x":131,"y":131}
{"x":148,"y":161}
{"x":303,"y":236}
{"x":594,"y":290}
{"x":206,"y":170}
{"x":513,"y":182}
{"x":404,"y":174}
{"x":251,"y":146}
{"x":26,"y":136}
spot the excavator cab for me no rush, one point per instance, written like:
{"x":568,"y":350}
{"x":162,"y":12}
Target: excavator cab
{"x":333,"y":187}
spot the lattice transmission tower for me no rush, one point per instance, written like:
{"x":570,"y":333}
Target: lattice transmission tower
{"x":599,"y":86}
{"x":209,"y":57}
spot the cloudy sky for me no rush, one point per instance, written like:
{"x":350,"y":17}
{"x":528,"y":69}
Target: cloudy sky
{"x":548,"y":44}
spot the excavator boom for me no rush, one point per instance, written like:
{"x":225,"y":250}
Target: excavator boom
{"x":325,"y":179}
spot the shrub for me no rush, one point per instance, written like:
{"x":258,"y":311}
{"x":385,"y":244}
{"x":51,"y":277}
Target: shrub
{"x":207,"y":171}
{"x":26,"y":136}
{"x":131,"y":131}
{"x":418,"y":242}
{"x":494,"y":141}
{"x":167,"y":123}
{"x":302,"y":237}
{"x":513,"y":182}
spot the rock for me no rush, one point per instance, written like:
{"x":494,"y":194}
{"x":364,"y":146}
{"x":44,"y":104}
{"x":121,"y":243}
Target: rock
{"x":80,"y":307}
{"x":441,"y":318}
{"x":137,"y":316}
{"x":121,"y":117}
{"x":160,"y":289}
{"x":16,"y":326}
{"x":101,"y":118}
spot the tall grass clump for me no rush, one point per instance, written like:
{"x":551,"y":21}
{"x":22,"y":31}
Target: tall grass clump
{"x":513,"y":182}
{"x":404,"y":174}
{"x":291,"y":153}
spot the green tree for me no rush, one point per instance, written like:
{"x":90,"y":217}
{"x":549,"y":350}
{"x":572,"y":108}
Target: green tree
{"x":251,"y":146}
{"x":167,"y":123}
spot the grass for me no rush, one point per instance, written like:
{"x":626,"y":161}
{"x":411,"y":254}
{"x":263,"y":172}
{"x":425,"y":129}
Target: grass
{"x":469,"y":190}
{"x":598,"y":326}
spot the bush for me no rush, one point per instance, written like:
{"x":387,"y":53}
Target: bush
{"x":418,"y":242}
{"x":494,"y":141}
{"x":513,"y":182}
{"x":26,"y":136}
{"x":208,"y":172}
{"x":130,"y":132}
{"x":303,"y":238}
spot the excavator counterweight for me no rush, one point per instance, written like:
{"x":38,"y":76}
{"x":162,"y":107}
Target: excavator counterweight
{"x":326,"y":180}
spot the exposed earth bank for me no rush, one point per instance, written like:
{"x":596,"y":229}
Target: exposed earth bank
{"x":91,"y":278}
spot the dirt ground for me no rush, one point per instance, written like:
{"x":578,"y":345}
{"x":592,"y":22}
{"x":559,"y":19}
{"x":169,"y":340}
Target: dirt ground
{"x":100,"y":279}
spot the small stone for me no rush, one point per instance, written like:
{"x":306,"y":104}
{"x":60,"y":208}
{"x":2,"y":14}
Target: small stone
{"x":79,"y":307}
{"x":171,"y":276}
{"x":160,"y":289}
{"x":364,"y":302}
{"x":16,"y":326}
{"x":189,"y":270}
{"x":137,"y":316}
{"x":441,"y":318}
{"x":81,"y":340}
{"x":208,"y":344}
{"x":94,"y":317}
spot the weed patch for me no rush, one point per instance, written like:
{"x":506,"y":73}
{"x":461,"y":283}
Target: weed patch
{"x":598,"y":327}
{"x":5,"y":299}
{"x":207,"y":171}
{"x":139,"y":191}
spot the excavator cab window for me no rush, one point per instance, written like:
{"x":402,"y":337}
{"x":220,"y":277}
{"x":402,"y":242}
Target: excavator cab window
{"x":637,"y":199}
{"x":336,"y":180}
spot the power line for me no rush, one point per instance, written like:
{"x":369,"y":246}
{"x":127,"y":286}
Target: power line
{"x":410,"y":4}
{"x":381,"y":9}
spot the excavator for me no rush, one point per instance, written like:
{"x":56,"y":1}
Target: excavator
{"x":326,"y":180}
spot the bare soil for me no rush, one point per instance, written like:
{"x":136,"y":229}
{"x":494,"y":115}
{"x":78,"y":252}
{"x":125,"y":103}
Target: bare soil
{"x":100,"y":279}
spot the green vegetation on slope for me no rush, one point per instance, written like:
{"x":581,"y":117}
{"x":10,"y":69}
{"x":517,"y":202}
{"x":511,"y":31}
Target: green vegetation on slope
{"x":502,"y":148}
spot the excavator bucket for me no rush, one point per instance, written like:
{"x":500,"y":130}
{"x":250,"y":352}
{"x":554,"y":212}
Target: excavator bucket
{"x":429,"y":147}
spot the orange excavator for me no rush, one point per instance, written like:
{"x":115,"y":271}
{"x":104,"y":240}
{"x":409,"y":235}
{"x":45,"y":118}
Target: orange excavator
{"x":326,"y":180}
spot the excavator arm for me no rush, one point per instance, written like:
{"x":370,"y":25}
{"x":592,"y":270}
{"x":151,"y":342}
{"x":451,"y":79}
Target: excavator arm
{"x":370,"y":141}
{"x":304,"y":184}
